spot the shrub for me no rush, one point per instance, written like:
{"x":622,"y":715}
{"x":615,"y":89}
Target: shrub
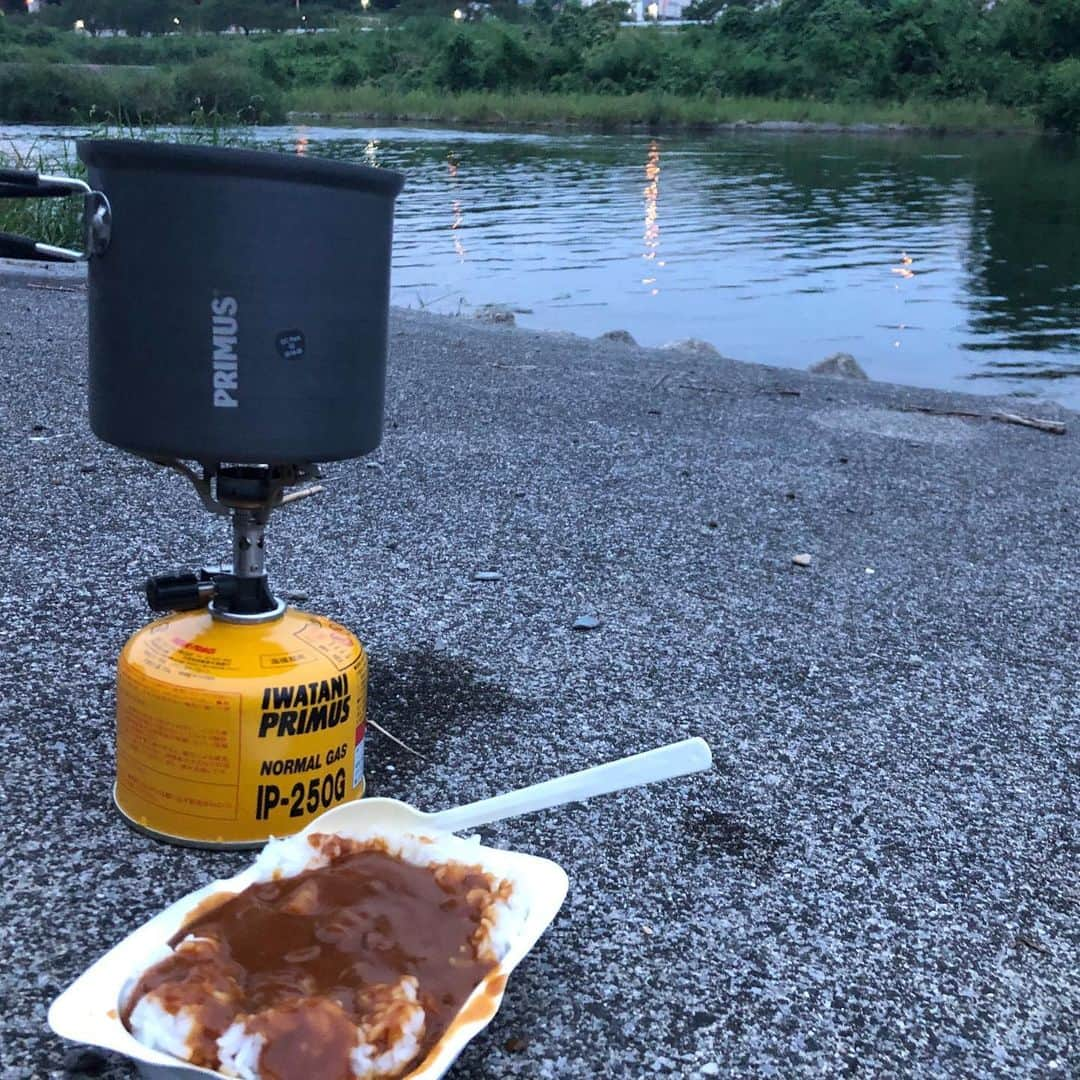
{"x":229,"y":90}
{"x":1059,"y":108}
{"x":32,"y":92}
{"x":346,"y":72}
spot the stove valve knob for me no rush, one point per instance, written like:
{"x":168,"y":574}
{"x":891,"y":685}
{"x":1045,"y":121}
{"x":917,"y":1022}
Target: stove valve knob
{"x":179,"y":592}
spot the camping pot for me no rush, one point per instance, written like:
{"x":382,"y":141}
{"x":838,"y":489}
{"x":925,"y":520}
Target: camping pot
{"x":238,"y":299}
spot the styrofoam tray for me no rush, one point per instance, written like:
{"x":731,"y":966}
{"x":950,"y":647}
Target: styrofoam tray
{"x":88,"y":1011}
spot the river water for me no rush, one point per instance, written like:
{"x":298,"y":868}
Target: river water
{"x":949,"y":262}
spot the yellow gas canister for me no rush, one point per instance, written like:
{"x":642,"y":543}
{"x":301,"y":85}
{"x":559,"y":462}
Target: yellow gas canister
{"x":228,"y":733}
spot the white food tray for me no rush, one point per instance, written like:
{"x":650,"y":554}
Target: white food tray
{"x":88,"y":1011}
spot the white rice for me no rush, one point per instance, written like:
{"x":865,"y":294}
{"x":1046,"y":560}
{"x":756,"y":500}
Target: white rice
{"x":162,"y":1030}
{"x":366,"y":1064}
{"x":240,"y":1052}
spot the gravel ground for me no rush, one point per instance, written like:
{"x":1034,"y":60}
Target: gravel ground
{"x":879,"y":876}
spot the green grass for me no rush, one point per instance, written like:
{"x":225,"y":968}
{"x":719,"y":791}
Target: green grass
{"x":608,"y":112}
{"x":49,"y":221}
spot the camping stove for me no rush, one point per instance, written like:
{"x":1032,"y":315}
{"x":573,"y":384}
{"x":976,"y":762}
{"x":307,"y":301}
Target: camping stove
{"x":237,"y":717}
{"x":249,"y":336}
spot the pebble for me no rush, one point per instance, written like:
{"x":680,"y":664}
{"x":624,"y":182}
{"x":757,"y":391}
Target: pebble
{"x":802,"y":559}
{"x":695,"y":346}
{"x":842,"y":365}
{"x":493,"y":313}
{"x":586,"y":622}
{"x":623,"y":337}
{"x":487,"y":575}
{"x":80,"y":1061}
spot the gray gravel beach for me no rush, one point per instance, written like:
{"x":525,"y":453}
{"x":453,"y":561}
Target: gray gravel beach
{"x":878,"y":878}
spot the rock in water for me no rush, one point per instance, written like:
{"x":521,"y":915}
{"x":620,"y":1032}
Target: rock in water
{"x":843,"y":365}
{"x":802,"y":559}
{"x":623,"y":337}
{"x":692,"y":345}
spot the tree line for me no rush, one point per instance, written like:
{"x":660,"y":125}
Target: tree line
{"x":1020,"y":54}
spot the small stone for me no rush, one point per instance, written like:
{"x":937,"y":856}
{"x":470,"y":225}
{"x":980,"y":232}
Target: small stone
{"x":841,"y":365}
{"x":401,"y":566}
{"x":647,"y":930}
{"x":586,"y":622}
{"x":695,"y":346}
{"x":710,"y":1068}
{"x":487,"y":575}
{"x":495,"y":313}
{"x":293,"y":595}
{"x":623,"y":337}
{"x":84,"y":1062}
{"x":802,"y":559}
{"x":516,"y":1044}
{"x":712,"y":523}
{"x":870,"y":570}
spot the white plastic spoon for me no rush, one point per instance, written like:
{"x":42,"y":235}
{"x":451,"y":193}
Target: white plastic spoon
{"x":664,"y":763}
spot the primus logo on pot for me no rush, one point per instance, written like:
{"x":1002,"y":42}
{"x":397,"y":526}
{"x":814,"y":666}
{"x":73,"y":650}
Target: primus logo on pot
{"x":226,"y":367}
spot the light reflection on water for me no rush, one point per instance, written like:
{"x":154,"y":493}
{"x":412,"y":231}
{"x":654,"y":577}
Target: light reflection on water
{"x":947,"y":262}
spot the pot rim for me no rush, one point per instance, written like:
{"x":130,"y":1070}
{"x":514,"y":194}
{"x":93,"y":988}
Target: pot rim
{"x":246,"y":164}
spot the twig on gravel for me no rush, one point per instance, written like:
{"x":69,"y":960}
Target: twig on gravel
{"x":1031,"y":943}
{"x":55,"y":288}
{"x":712,"y":598}
{"x":1052,"y":427}
{"x":393,"y":738}
{"x":704,"y":389}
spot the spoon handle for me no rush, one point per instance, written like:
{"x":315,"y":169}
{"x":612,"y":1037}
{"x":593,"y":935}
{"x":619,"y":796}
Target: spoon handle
{"x":664,"y":763}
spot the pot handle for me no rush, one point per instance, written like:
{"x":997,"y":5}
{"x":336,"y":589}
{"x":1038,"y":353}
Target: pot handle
{"x":13,"y":246}
{"x":28,"y":184}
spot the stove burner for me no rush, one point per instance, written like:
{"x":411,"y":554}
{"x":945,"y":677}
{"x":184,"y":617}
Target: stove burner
{"x":247,"y":494}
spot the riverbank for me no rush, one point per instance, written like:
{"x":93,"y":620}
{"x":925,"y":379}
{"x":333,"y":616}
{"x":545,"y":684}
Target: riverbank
{"x":876,"y":877}
{"x":657,"y":112}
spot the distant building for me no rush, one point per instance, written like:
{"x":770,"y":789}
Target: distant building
{"x":652,"y":10}
{"x":659,"y":9}
{"x":641,"y":11}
